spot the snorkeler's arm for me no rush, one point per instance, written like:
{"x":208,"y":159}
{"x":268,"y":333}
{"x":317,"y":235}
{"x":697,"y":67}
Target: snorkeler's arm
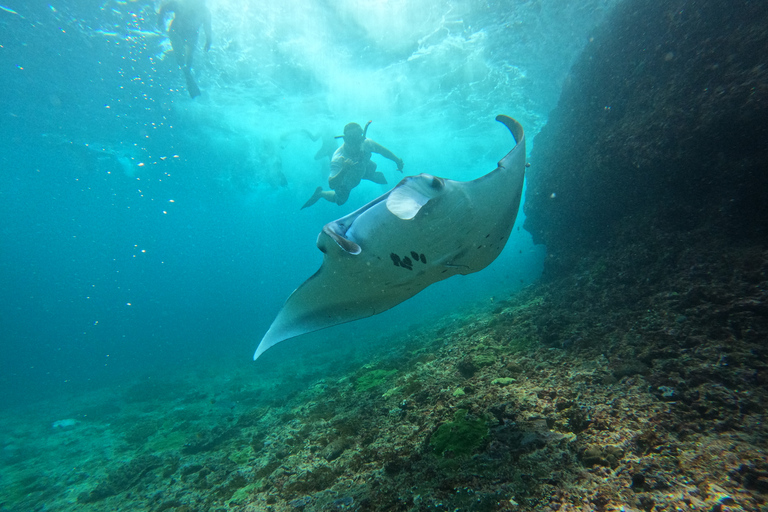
{"x":378,"y":148}
{"x":207,"y":28}
{"x":337,"y":171}
{"x":164,"y":10}
{"x":340,"y":167}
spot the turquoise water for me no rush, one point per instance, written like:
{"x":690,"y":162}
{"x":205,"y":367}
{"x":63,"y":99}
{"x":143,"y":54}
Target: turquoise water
{"x":148,"y":239}
{"x":146,"y":232}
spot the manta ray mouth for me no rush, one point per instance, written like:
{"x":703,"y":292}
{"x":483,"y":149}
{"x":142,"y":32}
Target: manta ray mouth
{"x":337,"y":233}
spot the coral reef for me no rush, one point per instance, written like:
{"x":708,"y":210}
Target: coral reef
{"x":652,"y":402}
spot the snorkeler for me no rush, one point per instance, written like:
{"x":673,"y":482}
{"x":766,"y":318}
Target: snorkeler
{"x":188,"y":16}
{"x":352,"y":163}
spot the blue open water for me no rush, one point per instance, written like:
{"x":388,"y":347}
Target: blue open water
{"x":143,"y":230}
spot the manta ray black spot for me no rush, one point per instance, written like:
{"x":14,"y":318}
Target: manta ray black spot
{"x":423,"y":258}
{"x":401,"y":262}
{"x":415,"y":255}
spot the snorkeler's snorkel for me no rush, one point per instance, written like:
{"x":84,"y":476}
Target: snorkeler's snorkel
{"x":365,"y":131}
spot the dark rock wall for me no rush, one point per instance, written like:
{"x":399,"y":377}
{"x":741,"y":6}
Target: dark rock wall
{"x":662,"y":125}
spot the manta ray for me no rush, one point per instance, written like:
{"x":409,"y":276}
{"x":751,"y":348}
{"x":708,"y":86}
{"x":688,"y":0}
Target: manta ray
{"x":424,"y":230}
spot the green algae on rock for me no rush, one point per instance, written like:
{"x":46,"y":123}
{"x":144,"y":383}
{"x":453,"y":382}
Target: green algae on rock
{"x":373,"y":378}
{"x":459,"y":437}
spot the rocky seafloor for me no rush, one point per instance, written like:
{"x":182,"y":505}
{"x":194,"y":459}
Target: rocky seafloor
{"x":606,"y":390}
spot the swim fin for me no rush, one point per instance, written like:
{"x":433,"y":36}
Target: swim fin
{"x":315,"y":198}
{"x":194,"y":90}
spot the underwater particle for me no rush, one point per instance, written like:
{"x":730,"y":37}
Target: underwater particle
{"x":503,"y":381}
{"x":459,"y":437}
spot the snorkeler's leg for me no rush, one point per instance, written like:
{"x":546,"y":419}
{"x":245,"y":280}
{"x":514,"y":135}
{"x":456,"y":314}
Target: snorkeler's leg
{"x":340,"y":196}
{"x":194,"y":90}
{"x":377,"y":177}
{"x":315,"y":198}
{"x":178,"y":46}
{"x":328,"y":195}
{"x":189,"y":51}
{"x":183,"y":53}
{"x":371,"y":174}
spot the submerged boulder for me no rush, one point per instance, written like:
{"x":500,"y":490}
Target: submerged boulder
{"x":661,"y":124}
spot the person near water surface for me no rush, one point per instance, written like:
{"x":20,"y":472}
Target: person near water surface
{"x":189,"y":15}
{"x":352,"y":163}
